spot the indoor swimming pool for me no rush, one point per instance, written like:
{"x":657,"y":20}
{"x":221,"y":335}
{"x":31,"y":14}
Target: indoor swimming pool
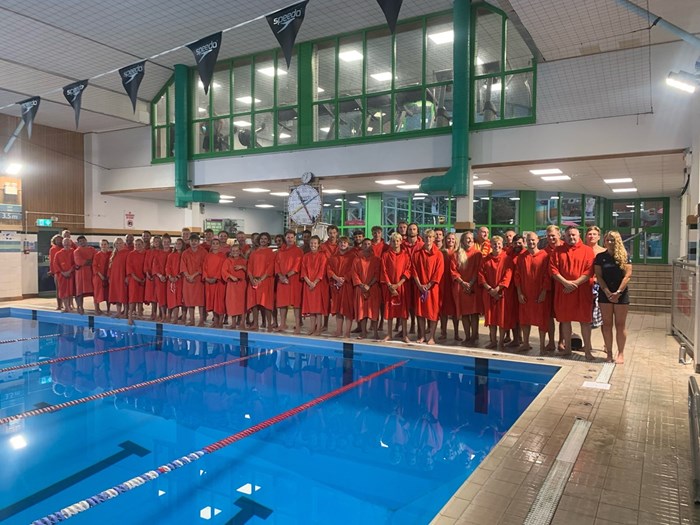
{"x":162,"y":424}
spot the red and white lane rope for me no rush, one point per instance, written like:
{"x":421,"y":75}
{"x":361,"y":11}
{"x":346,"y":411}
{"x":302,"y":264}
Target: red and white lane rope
{"x":6,"y":341}
{"x":55,"y":408}
{"x":111,"y":493}
{"x":55,"y":360}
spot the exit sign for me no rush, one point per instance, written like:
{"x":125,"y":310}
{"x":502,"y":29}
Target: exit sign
{"x":46,"y":223}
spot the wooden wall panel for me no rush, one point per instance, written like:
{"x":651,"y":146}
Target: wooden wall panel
{"x":53,"y":176}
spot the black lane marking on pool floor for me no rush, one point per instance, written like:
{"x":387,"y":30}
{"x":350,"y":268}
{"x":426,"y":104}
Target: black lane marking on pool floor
{"x":249,"y":509}
{"x":481,"y":385}
{"x":42,"y":404}
{"x":159,"y":330}
{"x":34,"y":315}
{"x":128,"y":448}
{"x":91,"y":322}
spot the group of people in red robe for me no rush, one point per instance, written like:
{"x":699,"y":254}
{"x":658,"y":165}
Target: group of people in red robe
{"x":431,"y":278}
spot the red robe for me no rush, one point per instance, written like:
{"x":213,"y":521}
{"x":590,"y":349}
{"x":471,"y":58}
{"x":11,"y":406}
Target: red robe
{"x":288,"y":259}
{"x":379,"y":248}
{"x":571,"y":262}
{"x":428,"y":267}
{"x":63,"y":262}
{"x":134,"y":268}
{"x":531,"y":277}
{"x":366,"y":269}
{"x":160,"y":259}
{"x":313,"y":267}
{"x":484,"y":247}
{"x":497,"y":271}
{"x":235,"y":291}
{"x":330,"y":249}
{"x":214,"y":294}
{"x":192,"y":262}
{"x":117,"y":277}
{"x":343,"y":297}
{"x":262,"y":262}
{"x":83,"y":272}
{"x":149,"y":295}
{"x":395,"y":266}
{"x":245,"y":249}
{"x":467,"y":303}
{"x":174,"y":289}
{"x":447,"y":300}
{"x":100,"y":285}
{"x":411,"y":290}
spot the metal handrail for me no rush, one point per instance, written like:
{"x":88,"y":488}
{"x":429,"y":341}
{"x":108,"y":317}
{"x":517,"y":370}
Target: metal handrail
{"x":629,"y":248}
{"x":633,"y":236}
{"x":694,"y":421}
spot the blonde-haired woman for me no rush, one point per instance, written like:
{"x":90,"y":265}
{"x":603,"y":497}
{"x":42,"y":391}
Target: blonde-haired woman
{"x":613,"y":271}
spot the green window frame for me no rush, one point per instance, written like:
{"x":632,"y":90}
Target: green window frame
{"x":162,"y":129}
{"x":485,"y":213}
{"x":579,"y":209}
{"x":499,"y":83}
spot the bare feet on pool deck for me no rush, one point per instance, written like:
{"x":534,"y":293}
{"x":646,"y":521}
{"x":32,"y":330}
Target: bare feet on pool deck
{"x":491,"y":344}
{"x":386,"y":338}
{"x":430,"y":342}
{"x":297,"y":330}
{"x":524,"y":348}
{"x":442,"y":337}
{"x":620,"y":359}
{"x":563,"y":353}
{"x":551,"y":347}
{"x":420,"y":340}
{"x":512,"y":344}
{"x":406,"y":340}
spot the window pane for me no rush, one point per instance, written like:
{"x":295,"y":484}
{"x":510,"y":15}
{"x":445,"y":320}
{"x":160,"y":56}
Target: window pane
{"x":287,"y":80}
{"x":242,"y":96}
{"x":378,"y":119}
{"x":171,"y":103}
{"x":487,"y":99}
{"x":264,"y":130}
{"x":438,"y":106}
{"x":518,"y":55}
{"x":350,"y":119}
{"x":324,"y":70}
{"x":409,"y":110}
{"x":571,"y":209}
{"x":504,"y":210}
{"x":438,"y":60}
{"x":324,"y":122}
{"x":623,"y":215}
{"x":481,"y":207}
{"x":241,"y":132}
{"x":379,"y":61}
{"x":202,"y":139}
{"x":350,"y":64}
{"x":409,"y":55}
{"x":395,"y":208}
{"x":222,"y":132}
{"x":547,"y":208}
{"x":200,"y":101}
{"x":420,"y":210}
{"x":287,"y":126}
{"x":652,"y":214}
{"x":161,"y":149}
{"x":653,"y":246}
{"x":489,"y":32}
{"x":332,"y":212}
{"x":518,"y":102}
{"x":264,"y":82}
{"x":159,"y":108}
{"x":221,"y":90}
{"x":354,"y":210}
{"x":591,"y":215}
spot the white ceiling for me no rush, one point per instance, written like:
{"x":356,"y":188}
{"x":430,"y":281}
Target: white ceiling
{"x":46,"y":44}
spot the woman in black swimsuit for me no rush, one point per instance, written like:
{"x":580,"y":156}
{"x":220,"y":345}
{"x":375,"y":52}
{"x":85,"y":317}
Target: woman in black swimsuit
{"x":613,"y":271}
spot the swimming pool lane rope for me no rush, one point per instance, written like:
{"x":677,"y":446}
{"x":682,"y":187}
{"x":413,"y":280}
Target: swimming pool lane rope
{"x":55,"y":408}
{"x":55,"y":360}
{"x":146,"y":477}
{"x":6,"y":341}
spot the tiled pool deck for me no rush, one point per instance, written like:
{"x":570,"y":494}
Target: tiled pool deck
{"x":634,"y":466}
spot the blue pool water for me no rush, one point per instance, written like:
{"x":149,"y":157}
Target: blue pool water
{"x":389,"y":450}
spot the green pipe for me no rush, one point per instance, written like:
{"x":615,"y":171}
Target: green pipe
{"x":184,"y":195}
{"x":455,"y":180}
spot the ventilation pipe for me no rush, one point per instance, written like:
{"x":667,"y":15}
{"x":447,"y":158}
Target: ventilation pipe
{"x":456,"y":179}
{"x":184,"y":194}
{"x":658,"y":21}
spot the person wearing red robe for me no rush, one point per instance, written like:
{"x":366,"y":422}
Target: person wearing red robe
{"x":464,"y":267}
{"x":191,"y":267}
{"x":495,"y":277}
{"x":315,"y":290}
{"x":553,"y":241}
{"x":118,"y":292}
{"x":56,"y":246}
{"x":261,"y":281}
{"x":214,"y":286}
{"x":175,"y":279}
{"x":136,"y":277}
{"x":571,"y":266}
{"x":100,"y":279}
{"x":428,"y":267}
{"x":533,"y":283}
{"x":243,"y":245}
{"x":411,"y":244}
{"x":365,"y":280}
{"x":516,"y":248}
{"x":65,"y":266}
{"x":82,"y":258}
{"x":329,"y":247}
{"x":342,"y":303}
{"x":482,"y":241}
{"x":129,"y":240}
{"x":448,"y":308}
{"x":208,"y":238}
{"x":395,"y":272}
{"x":152,"y":246}
{"x":225,"y":246}
{"x":160,"y":277}
{"x":233,"y":272}
{"x":289,"y":284}
{"x":378,"y":248}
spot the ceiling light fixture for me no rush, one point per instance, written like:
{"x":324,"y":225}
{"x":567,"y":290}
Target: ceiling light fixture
{"x":227,"y":197}
{"x":280,"y":193}
{"x":350,"y":56}
{"x":270,"y":71}
{"x":320,"y":90}
{"x":420,"y":194}
{"x":256,"y":190}
{"x":444,"y":37}
{"x":547,"y":171}
{"x":617,"y":181}
{"x":409,"y":186}
{"x":482,"y":182}
{"x":381,"y":77}
{"x":325,"y":130}
{"x":242,"y":123}
{"x":225,"y":201}
{"x":389,"y":182}
{"x":247,"y":100}
{"x":333,"y":191}
{"x":13,"y":168}
{"x":683,"y":80}
{"x":264,"y":206}
{"x":624,"y":190}
{"x":285,"y":136}
{"x":554,"y":178}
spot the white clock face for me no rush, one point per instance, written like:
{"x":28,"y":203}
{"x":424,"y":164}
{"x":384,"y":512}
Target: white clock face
{"x":307,"y":177}
{"x":304,"y":205}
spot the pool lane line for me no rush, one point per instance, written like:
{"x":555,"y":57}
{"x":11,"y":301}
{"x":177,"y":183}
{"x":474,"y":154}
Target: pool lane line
{"x":121,"y":390}
{"x":21,"y":339}
{"x":126,"y":486}
{"x":55,"y":360}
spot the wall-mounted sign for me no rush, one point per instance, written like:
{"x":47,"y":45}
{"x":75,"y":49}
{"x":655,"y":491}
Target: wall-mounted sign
{"x":129,"y":220}
{"x":44,"y":223}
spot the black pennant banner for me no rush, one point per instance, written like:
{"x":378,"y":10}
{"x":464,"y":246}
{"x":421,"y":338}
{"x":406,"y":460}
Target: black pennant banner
{"x":74,"y":95}
{"x":285,"y":24}
{"x":131,"y":80}
{"x":391,"y":10}
{"x":206,"y":51}
{"x":29,"y":108}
